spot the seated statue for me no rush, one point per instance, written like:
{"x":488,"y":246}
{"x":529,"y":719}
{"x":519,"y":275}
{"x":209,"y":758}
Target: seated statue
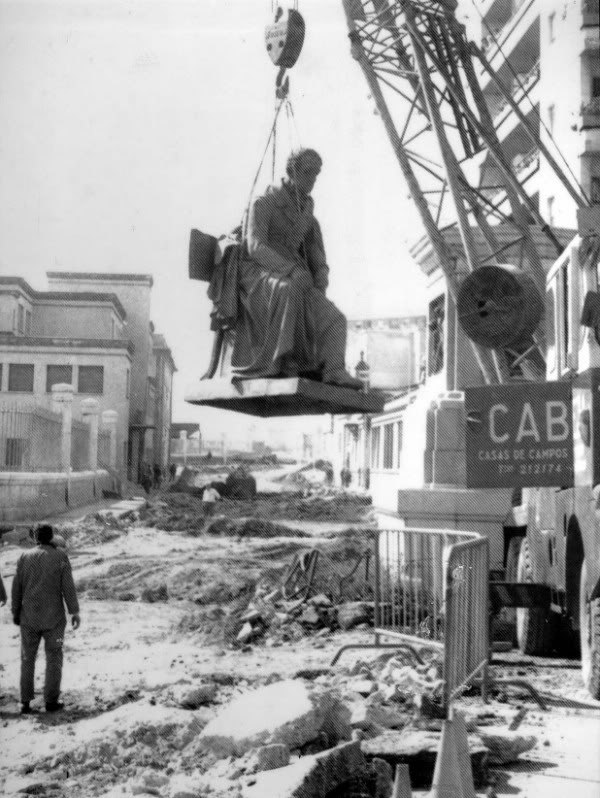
{"x":284,"y":324}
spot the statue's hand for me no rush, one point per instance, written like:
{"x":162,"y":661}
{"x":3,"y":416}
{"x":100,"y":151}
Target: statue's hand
{"x":302,"y":277}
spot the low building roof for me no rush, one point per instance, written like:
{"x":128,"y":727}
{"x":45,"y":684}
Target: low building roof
{"x":123,"y":277}
{"x":85,"y":296}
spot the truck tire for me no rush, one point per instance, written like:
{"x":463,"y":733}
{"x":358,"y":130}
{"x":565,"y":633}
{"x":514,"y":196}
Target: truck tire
{"x":589,"y":630}
{"x":535,"y":627}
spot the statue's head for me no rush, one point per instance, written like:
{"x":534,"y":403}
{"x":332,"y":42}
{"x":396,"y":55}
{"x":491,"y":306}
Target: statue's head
{"x":303,"y":167}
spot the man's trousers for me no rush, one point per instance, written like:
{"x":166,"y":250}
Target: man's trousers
{"x":53,"y":644}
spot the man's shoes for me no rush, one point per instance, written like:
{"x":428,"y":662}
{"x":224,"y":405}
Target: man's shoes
{"x":343,"y":379}
{"x":54,"y":706}
{"x":26,"y":708}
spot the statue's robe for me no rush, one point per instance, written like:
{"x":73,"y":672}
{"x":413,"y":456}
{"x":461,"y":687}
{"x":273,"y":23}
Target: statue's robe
{"x":284,"y":323}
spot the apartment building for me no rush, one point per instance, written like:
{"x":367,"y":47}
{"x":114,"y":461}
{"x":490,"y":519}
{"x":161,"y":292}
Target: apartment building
{"x":547,"y":54}
{"x":51,"y":337}
{"x":152,"y":366}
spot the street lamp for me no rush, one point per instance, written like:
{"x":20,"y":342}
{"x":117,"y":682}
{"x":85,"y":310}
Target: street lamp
{"x":363,"y":371}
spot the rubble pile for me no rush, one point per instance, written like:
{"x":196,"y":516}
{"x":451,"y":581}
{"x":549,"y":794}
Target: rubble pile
{"x":183,"y":511}
{"x":327,"y":734}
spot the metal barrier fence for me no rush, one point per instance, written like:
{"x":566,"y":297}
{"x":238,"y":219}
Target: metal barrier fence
{"x":80,"y":445}
{"x":30,"y":438}
{"x":432,"y":586}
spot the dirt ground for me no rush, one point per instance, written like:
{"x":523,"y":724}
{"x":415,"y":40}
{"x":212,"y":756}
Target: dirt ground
{"x":162,"y":612}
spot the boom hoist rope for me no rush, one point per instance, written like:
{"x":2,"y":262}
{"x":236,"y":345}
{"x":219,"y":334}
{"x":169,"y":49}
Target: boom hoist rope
{"x":284,"y":38}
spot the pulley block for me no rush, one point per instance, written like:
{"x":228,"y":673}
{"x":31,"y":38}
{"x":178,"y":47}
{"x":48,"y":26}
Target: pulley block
{"x":284,"y":37}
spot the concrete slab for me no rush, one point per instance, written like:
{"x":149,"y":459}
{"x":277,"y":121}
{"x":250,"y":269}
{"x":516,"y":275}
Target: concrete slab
{"x":292,"y":396}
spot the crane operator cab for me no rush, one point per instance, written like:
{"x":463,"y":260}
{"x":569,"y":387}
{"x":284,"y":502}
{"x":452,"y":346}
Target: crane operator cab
{"x":280,"y":342}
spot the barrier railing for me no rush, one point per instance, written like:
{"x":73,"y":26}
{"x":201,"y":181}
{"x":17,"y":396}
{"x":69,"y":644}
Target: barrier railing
{"x":431,"y":589}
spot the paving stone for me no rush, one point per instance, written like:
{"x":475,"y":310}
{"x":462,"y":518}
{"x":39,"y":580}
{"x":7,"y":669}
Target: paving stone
{"x":311,"y":776}
{"x":289,"y":712}
{"x":505,"y":746}
{"x":352,"y":613}
{"x":198,"y":696}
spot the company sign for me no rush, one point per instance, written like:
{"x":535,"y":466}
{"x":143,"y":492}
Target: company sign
{"x":519,"y":435}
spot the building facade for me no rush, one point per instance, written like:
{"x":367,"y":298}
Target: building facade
{"x":52,"y":337}
{"x":525,"y":41}
{"x":152,"y":367}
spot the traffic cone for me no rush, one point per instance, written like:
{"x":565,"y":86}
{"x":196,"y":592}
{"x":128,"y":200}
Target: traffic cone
{"x":447,"y":780}
{"x":402,"y":783}
{"x":464,"y":758}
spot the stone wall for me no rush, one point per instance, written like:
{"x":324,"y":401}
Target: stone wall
{"x":32,"y":496}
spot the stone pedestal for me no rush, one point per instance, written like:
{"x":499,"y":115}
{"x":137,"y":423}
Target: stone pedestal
{"x":89,"y":413}
{"x":62,"y":402}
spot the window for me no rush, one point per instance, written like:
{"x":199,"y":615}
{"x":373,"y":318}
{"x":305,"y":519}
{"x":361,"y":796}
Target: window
{"x":20,"y":377}
{"x":550,"y":203}
{"x":21,"y":325}
{"x":127,"y":380}
{"x":595,"y":190}
{"x":58,"y":374}
{"x":28,"y":322}
{"x":375,"y":441}
{"x":596,"y":86}
{"x":551,"y":110}
{"x":399,"y":443}
{"x":90,"y":379}
{"x":388,"y":446}
{"x":551,"y":26}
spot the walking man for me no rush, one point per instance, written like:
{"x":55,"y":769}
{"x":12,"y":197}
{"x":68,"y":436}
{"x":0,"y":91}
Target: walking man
{"x":43,"y":584}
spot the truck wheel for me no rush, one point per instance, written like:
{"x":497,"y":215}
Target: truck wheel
{"x":534,"y":625}
{"x":589,"y":630}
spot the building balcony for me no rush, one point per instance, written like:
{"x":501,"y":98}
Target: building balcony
{"x":496,"y":33}
{"x":520,"y":89}
{"x":590,"y":114}
{"x":590,"y":14}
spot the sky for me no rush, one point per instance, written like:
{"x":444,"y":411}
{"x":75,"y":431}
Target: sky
{"x":125,"y":124}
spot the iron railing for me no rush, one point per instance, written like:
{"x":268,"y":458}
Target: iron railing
{"x":30,"y":438}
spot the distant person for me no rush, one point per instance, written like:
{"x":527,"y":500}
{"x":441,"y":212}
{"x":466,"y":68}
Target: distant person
{"x":210,"y":496}
{"x":157,"y":475}
{"x":43,"y":584}
{"x":345,"y":477}
{"x":172,"y":471}
{"x":146,"y":477}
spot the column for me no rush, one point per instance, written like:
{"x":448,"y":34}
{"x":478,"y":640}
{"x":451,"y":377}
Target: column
{"x":62,"y":402}
{"x":109,"y":418}
{"x":90,"y":413}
